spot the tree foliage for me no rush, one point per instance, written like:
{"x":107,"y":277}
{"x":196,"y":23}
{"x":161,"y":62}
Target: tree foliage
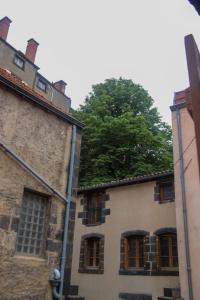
{"x":124,"y":135}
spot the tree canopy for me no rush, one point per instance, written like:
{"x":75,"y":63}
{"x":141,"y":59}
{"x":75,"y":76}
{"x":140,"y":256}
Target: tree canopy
{"x":124,"y":135}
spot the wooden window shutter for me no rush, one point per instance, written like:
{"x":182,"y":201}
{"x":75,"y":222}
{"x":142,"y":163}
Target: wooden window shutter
{"x":157,"y":192}
{"x":125,"y":253}
{"x":158,"y":252}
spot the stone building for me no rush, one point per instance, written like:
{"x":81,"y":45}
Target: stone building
{"x":38,"y":161}
{"x":125,"y":243}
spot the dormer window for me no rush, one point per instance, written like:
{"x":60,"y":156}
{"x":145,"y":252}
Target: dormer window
{"x":42,"y":85}
{"x":19,"y":62}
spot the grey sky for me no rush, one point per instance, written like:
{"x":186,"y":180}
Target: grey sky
{"x":84,"y":42}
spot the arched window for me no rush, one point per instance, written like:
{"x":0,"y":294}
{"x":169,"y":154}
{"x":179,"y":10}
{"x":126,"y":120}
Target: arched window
{"x":167,"y":253}
{"x":92,"y":254}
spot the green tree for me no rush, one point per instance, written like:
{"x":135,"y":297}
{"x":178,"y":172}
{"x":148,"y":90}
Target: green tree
{"x":124,"y":135}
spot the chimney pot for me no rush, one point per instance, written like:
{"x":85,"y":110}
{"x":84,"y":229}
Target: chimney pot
{"x":4,"y":27}
{"x":60,"y":86}
{"x":31,"y":50}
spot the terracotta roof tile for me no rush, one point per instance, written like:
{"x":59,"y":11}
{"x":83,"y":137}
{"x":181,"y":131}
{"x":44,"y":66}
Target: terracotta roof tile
{"x":23,"y":85}
{"x":128,"y":181}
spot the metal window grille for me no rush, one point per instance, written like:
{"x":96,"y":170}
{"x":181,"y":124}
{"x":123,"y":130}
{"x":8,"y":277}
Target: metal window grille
{"x":92,"y":252}
{"x":30,"y":236}
{"x":94,"y":209}
{"x":135,"y":252}
{"x":166,"y":191}
{"x":168,"y":251}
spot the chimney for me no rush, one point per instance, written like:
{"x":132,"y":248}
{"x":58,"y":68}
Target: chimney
{"x":4,"y":27}
{"x":60,"y":86}
{"x":31,"y":50}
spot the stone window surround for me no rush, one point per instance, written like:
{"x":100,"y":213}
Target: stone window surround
{"x":100,"y":269}
{"x":151,"y":266}
{"x":104,"y":211}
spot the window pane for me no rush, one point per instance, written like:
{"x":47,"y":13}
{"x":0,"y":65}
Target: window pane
{"x":28,"y":238}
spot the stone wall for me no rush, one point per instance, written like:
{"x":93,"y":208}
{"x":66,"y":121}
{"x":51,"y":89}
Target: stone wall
{"x":43,"y":141}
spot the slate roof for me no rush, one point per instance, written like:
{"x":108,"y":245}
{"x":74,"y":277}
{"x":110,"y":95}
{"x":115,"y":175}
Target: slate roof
{"x":16,"y":84}
{"x":128,"y":181}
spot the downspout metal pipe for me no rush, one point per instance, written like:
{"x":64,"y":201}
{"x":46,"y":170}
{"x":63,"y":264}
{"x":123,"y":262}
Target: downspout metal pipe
{"x":184,"y":204}
{"x":58,"y":294}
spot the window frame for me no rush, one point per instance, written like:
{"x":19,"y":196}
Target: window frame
{"x":45,"y":199}
{"x":171,"y":266}
{"x":84,"y":264}
{"x":138,"y":256}
{"x":159,"y":192}
{"x":97,"y":211}
{"x":40,"y":80}
{"x":16,"y":56}
{"x":95,"y":241}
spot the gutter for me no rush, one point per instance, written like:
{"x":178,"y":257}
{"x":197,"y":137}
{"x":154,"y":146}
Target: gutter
{"x":58,"y":294}
{"x":184,"y":204}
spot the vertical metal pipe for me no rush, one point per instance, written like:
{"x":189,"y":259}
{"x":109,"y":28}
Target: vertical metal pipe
{"x":183,"y":192}
{"x":58,"y":295}
{"x":69,"y":195}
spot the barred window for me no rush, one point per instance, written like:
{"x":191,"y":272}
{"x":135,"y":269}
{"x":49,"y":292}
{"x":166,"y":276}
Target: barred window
{"x":30,"y":236}
{"x":134,"y":252}
{"x":164,"y":191}
{"x":91,"y":252}
{"x":167,"y":251}
{"x":93,"y":209}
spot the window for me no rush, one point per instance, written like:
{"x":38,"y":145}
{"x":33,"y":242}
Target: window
{"x":93,"y":209}
{"x":134,"y":252}
{"x":91,"y":253}
{"x":167,"y":251}
{"x":31,"y":231}
{"x":19,"y":62}
{"x":164,"y":191}
{"x":42,"y":85}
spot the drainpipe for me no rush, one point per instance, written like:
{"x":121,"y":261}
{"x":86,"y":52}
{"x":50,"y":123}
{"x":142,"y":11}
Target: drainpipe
{"x":58,"y":294}
{"x":185,"y":217}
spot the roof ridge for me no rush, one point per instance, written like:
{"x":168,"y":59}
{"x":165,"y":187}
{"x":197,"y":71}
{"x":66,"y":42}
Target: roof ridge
{"x":126,"y":180}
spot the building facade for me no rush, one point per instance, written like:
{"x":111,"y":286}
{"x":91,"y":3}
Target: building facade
{"x":187,"y":187}
{"x":36,"y":132}
{"x":125,"y":240}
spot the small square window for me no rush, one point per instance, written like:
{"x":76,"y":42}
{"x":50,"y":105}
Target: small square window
{"x":164,"y":192}
{"x":19,"y":62}
{"x":42,"y":85}
{"x":30,"y":236}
